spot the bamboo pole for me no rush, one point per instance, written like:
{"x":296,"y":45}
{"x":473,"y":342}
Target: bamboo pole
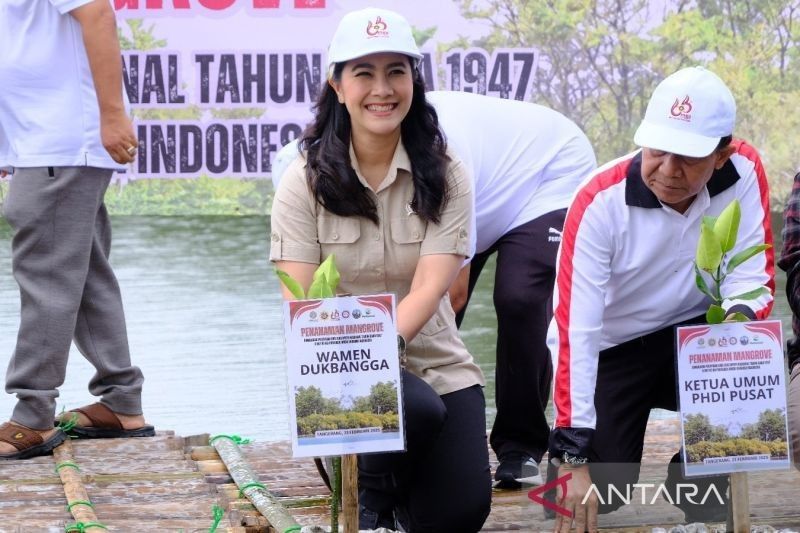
{"x":278,"y":517}
{"x":73,"y":487}
{"x":740,"y":502}
{"x":350,"y":493}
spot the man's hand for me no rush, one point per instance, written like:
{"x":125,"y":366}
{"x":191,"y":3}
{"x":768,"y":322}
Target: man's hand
{"x":583,"y":515}
{"x":99,"y":30}
{"x":116,"y":133}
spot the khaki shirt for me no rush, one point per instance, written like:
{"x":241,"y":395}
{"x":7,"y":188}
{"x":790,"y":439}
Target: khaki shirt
{"x":379,"y":259}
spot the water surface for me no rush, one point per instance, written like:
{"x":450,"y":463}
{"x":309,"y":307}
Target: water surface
{"x":204,"y":323}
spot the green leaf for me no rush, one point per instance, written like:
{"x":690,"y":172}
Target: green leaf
{"x":739,"y":317}
{"x":727,"y":225}
{"x":700,"y":281}
{"x":709,"y":221}
{"x":294,"y":287}
{"x":715,"y":314}
{"x":709,"y":251}
{"x":318,"y":286}
{"x":750,"y":295}
{"x":744,"y":255}
{"x":328,"y":268}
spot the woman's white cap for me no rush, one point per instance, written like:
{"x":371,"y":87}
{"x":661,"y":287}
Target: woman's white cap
{"x":688,"y":114}
{"x":370,"y":31}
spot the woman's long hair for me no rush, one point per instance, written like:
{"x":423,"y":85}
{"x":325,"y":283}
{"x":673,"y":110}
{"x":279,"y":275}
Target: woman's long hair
{"x":331,"y":175}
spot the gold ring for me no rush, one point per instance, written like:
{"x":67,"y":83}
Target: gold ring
{"x":131,"y":150}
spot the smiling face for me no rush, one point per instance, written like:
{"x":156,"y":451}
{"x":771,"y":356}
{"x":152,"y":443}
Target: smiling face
{"x":676,"y":179}
{"x":377,"y":90}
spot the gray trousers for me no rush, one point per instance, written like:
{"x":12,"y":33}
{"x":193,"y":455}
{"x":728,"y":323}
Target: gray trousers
{"x":60,"y":249}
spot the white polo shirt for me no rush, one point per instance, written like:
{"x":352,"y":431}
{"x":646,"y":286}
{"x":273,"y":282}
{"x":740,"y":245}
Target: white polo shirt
{"x":48,"y":107}
{"x":526,"y":159}
{"x":625,"y":267}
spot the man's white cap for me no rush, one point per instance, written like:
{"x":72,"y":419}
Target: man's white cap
{"x":370,"y":31}
{"x":689,"y":112}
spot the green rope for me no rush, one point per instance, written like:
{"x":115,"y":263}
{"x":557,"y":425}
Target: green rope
{"x":235,"y":438}
{"x":218,"y":513}
{"x":65,"y":464}
{"x":79,"y":502}
{"x":254,"y":484}
{"x":81,"y":527}
{"x":67,"y":425}
{"x":292,"y":529}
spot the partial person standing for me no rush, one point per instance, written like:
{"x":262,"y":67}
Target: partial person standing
{"x":64,"y":129}
{"x":527,"y":161}
{"x":376,"y":186}
{"x":790,"y":263}
{"x":626,"y":279}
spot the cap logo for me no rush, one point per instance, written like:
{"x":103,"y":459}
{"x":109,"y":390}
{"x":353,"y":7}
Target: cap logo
{"x":682,"y":110}
{"x":378,"y":28}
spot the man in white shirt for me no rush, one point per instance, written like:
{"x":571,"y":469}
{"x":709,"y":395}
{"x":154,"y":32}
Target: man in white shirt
{"x":626,"y":278}
{"x":64,"y":129}
{"x":527,"y":161}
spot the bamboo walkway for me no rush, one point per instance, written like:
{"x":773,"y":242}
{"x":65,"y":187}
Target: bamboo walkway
{"x":168,"y":483}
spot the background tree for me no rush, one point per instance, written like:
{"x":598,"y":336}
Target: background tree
{"x":308,"y":401}
{"x":599,"y":61}
{"x":698,"y":428}
{"x":771,"y":425}
{"x":383,"y":397}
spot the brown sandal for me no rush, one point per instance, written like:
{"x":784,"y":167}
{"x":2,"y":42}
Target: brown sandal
{"x":105,"y":425}
{"x":27,"y":441}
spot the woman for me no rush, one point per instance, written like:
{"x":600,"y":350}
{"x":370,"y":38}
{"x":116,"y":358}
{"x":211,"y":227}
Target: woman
{"x":376,"y":187}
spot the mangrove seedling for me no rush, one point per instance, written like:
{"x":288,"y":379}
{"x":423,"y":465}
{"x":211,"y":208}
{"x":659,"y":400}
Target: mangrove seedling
{"x":323,"y":285}
{"x":717,"y":238}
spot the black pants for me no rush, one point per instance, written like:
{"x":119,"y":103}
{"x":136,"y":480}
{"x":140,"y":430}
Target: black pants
{"x":442,"y":482}
{"x":523,"y":289}
{"x":633,"y":378}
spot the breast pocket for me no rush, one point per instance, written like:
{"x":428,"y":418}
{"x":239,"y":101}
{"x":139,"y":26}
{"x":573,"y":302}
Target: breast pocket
{"x":407,"y":235}
{"x":339,"y":236}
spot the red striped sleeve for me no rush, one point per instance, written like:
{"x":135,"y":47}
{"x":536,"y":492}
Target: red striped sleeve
{"x":603,"y":180}
{"x":751,"y":154}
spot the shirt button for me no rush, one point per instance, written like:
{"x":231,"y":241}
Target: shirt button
{"x":377,"y":236}
{"x":462,"y":233}
{"x":335,"y":236}
{"x":416,"y":235}
{"x":275,"y":236}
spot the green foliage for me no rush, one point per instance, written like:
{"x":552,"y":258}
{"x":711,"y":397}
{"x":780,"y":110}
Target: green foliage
{"x":731,"y":447}
{"x":141,"y":38}
{"x":770,"y":426}
{"x":726,"y":226}
{"x":202,"y":195}
{"x":309,"y":401}
{"x":717,"y":237}
{"x":600,"y":61}
{"x":382,"y":399}
{"x":698,"y":428}
{"x":423,"y":35}
{"x":307,"y":425}
{"x":326,"y":279}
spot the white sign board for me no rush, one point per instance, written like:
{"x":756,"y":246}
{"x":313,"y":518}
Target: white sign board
{"x":732,"y":387}
{"x":344,"y":376}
